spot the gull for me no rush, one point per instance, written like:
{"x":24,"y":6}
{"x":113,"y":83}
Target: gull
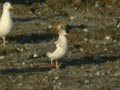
{"x":6,"y":22}
{"x":118,"y":22}
{"x":61,"y":48}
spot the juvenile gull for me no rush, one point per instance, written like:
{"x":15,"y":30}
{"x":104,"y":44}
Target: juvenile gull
{"x":61,"y":48}
{"x":5,"y":21}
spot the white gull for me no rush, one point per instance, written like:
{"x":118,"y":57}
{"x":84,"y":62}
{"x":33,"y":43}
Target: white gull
{"x":5,"y":21}
{"x":61,"y":48}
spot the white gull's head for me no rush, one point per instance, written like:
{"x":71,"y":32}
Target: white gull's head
{"x":59,"y":27}
{"x":62,"y":32}
{"x":7,"y":5}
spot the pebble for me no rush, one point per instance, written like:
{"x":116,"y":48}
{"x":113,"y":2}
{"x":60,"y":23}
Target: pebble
{"x":115,"y":41}
{"x":97,"y":46}
{"x":87,"y":81}
{"x":75,"y":8}
{"x":108,"y":72}
{"x":35,"y":55}
{"x":98,"y":86}
{"x":85,"y":39}
{"x":2,"y":57}
{"x":85,"y":75}
{"x":105,"y":49}
{"x":19,"y":49}
{"x":23,"y":63}
{"x":71,"y":18}
{"x":56,"y":78}
{"x":19,"y":84}
{"x":54,"y":81}
{"x":31,"y":65}
{"x":59,"y":84}
{"x":90,"y":75}
{"x":107,"y":38}
{"x":97,"y":4}
{"x":81,"y":49}
{"x":98,"y":73}
{"x":118,"y":26}
{"x":102,"y":74}
{"x":20,"y":77}
{"x":117,"y":74}
{"x":91,"y":41}
{"x":83,"y":67}
{"x":49,"y":26}
{"x":85,"y":30}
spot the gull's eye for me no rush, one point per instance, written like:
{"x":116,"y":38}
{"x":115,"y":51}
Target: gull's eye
{"x":6,"y":4}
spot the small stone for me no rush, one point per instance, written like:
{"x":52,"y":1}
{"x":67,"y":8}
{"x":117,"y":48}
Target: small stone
{"x":87,"y":81}
{"x":56,"y":78}
{"x":71,"y":18}
{"x":97,"y":46}
{"x":107,"y":37}
{"x":19,"y":49}
{"x":91,"y":75}
{"x":23,"y":63}
{"x":82,"y":67}
{"x":20,"y":77}
{"x":20,"y":84}
{"x":54,"y":81}
{"x":35,"y":55}
{"x":118,"y":25}
{"x":2,"y":57}
{"x":49,"y":26}
{"x":88,"y":86}
{"x":39,"y":13}
{"x":97,"y":4}
{"x":115,"y":41}
{"x":85,"y":30}
{"x":105,"y":49}
{"x":85,"y":75}
{"x":59,"y":84}
{"x":31,"y":65}
{"x":98,"y":73}
{"x":75,"y":8}
{"x":92,"y":40}
{"x":108,"y":72}
{"x":117,"y":74}
{"x":85,"y":39}
{"x":81,"y":49}
{"x":102,"y":74}
{"x":98,"y":86}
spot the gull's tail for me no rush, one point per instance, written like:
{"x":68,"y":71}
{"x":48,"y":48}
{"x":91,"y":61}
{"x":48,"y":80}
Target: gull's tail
{"x":49,"y":54}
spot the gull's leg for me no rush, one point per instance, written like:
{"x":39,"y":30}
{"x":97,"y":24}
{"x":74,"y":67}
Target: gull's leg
{"x":56,"y":42}
{"x":57,"y":65}
{"x":51,"y":65}
{"x":4,"y":42}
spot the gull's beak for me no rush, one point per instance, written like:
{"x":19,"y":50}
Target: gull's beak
{"x":66,"y":34}
{"x":12,"y":8}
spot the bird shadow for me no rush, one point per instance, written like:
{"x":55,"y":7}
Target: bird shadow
{"x":70,"y":27}
{"x":24,"y":19}
{"x":27,"y":2}
{"x":87,"y":60}
{"x":24,"y":70}
{"x":32,"y":38}
{"x":66,"y":63}
{"x":38,"y":17}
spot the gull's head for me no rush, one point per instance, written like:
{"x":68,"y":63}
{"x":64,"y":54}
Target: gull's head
{"x":63,"y":32}
{"x":59,"y":26}
{"x":7,"y":5}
